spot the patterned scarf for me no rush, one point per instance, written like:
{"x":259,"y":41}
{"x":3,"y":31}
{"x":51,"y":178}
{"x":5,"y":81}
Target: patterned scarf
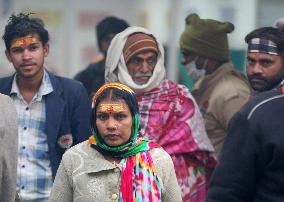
{"x":258,"y":45}
{"x":139,"y":178}
{"x":170,"y":117}
{"x":139,"y":175}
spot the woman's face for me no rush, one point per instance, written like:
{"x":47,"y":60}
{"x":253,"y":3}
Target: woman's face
{"x":114,"y":122}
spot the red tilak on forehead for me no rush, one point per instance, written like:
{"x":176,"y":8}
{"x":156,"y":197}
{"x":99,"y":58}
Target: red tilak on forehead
{"x":112,"y":107}
{"x":24,"y":41}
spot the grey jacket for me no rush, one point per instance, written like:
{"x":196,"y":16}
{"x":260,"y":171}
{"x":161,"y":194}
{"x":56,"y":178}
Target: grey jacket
{"x":85,"y":175}
{"x":8,"y":149}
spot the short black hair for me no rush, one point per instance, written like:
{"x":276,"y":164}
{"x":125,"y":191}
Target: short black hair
{"x":21,"y":25}
{"x":110,"y":25}
{"x":270,"y":33}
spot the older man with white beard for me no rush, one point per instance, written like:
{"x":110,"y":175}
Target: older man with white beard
{"x":169,"y":113}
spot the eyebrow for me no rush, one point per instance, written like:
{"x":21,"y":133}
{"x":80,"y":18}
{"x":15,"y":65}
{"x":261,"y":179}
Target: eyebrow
{"x":260,"y":60}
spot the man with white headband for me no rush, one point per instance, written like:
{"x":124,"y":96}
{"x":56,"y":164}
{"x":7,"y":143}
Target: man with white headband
{"x":169,"y":114}
{"x":251,"y":163}
{"x":265,"y":58}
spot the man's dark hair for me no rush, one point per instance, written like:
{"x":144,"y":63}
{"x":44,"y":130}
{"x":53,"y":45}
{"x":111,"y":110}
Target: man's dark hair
{"x":269,"y":33}
{"x":110,"y":25}
{"x":21,"y":25}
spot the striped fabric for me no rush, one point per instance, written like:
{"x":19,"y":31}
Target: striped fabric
{"x":257,"y":45}
{"x":170,"y":117}
{"x":34,"y":178}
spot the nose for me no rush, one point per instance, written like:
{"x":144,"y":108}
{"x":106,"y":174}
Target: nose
{"x":111,"y":124}
{"x":257,"y":68}
{"x":26,"y":54}
{"x":145,"y":67}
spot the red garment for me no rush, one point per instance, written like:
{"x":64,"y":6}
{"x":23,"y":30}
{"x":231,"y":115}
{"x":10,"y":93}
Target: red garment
{"x":170,"y":116}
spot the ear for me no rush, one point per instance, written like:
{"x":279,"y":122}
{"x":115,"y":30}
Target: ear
{"x":46,"y":49}
{"x":7,"y":53}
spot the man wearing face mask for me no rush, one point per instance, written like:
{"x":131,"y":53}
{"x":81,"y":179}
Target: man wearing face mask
{"x":220,"y":90}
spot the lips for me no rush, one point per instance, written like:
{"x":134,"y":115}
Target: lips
{"x":258,"y":84}
{"x":112,"y":136}
{"x":28,"y":65}
{"x":142,"y":79}
{"x":258,"y":81}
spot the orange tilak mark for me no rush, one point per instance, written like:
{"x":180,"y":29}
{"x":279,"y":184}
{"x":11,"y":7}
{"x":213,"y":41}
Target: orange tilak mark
{"x":24,"y":41}
{"x":117,"y":107}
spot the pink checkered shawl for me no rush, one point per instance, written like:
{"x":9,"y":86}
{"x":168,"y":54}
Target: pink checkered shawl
{"x":170,"y":116}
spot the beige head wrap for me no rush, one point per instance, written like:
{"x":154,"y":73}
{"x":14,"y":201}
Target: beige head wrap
{"x":116,"y":69}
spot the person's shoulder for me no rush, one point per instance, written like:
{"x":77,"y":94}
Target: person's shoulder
{"x":66,"y":82}
{"x":232,"y":85}
{"x":171,"y":86}
{"x":232,"y":79}
{"x":77,"y":150}
{"x":91,"y":70}
{"x":160,"y":155}
{"x":7,"y":80}
{"x":7,"y":104}
{"x":162,"y":161}
{"x":5,"y":98}
{"x":264,"y":102}
{"x":176,"y":92}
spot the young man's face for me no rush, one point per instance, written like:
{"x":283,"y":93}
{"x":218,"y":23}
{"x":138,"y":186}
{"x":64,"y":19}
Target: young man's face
{"x":141,"y":66}
{"x":27,"y":56}
{"x":264,"y":71}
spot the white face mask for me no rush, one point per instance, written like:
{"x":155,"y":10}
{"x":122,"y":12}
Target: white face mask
{"x":193,"y":72}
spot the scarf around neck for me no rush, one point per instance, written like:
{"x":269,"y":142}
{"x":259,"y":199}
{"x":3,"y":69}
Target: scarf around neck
{"x":139,"y":181}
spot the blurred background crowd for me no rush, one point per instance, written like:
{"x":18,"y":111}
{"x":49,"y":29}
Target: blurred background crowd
{"x":72,"y":24}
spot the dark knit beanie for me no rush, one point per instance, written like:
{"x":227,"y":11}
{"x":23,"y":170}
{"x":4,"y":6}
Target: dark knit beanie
{"x":110,"y":25}
{"x":206,"y":37}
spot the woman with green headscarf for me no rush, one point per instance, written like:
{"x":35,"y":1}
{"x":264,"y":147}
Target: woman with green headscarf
{"x":116,"y":163}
